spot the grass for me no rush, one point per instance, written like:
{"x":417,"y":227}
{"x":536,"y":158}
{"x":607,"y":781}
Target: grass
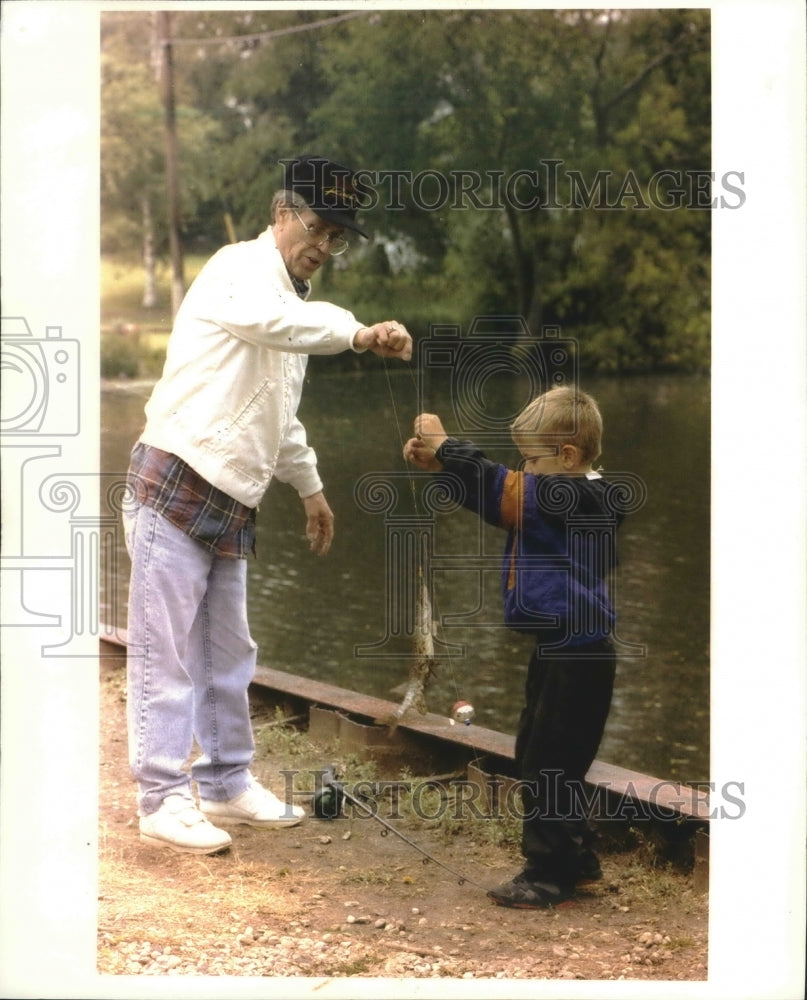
{"x":133,"y":338}
{"x":122,"y":284}
{"x":443,"y":807}
{"x":417,"y":803}
{"x":368,"y":876}
{"x":279,"y":737}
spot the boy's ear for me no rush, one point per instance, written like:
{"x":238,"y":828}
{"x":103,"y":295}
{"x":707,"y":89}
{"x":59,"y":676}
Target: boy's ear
{"x":570,"y":456}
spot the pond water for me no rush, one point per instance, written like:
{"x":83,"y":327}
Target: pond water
{"x":328,"y":618}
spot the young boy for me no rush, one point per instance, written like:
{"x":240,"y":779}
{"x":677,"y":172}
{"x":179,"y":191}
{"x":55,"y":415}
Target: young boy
{"x":560,"y":547}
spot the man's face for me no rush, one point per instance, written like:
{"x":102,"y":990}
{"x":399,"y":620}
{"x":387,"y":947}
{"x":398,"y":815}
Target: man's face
{"x":303,"y":252}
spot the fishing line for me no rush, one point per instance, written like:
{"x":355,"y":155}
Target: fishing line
{"x":397,"y":420}
{"x":477,"y":759}
{"x":411,"y":480}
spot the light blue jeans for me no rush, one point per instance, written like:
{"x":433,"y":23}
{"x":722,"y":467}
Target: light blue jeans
{"x":190,"y":661}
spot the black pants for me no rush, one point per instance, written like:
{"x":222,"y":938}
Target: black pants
{"x":567,"y":702}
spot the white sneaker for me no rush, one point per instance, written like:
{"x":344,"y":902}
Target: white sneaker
{"x":257,"y":806}
{"x":179,"y":826}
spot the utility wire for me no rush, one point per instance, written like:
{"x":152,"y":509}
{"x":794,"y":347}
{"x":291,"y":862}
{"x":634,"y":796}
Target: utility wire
{"x":263,"y":35}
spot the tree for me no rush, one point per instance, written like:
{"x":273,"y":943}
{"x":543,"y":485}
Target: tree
{"x":132,"y":156}
{"x":572,"y":96}
{"x":575,"y":114}
{"x":133,"y":169}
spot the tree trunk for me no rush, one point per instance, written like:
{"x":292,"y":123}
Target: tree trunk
{"x":534,"y":313}
{"x":163,"y":26}
{"x":149,"y":264}
{"x":524,"y":265}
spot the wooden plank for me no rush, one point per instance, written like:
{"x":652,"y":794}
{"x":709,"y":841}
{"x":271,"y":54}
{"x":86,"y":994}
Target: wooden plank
{"x":661,"y":796}
{"x":476,"y":738}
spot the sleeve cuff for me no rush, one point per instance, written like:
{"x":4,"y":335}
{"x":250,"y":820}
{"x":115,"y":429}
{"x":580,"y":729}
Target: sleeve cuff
{"x":309,"y":484}
{"x":357,"y":350}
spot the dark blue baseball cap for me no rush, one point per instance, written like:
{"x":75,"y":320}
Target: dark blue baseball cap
{"x":328,"y":189}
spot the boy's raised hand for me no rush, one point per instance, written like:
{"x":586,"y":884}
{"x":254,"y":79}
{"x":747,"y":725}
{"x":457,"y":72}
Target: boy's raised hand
{"x":421,"y":450}
{"x":429,"y":427}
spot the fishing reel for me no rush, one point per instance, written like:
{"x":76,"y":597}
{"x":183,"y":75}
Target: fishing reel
{"x":329,"y":798}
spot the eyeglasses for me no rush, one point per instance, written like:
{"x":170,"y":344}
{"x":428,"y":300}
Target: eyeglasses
{"x":552,"y":452}
{"x":336,"y":244}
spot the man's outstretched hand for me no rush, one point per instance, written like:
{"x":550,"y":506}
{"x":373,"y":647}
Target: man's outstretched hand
{"x":388,"y":340}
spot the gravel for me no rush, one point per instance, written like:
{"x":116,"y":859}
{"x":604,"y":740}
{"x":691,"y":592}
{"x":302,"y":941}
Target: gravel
{"x":262,"y":952}
{"x":257,"y":951}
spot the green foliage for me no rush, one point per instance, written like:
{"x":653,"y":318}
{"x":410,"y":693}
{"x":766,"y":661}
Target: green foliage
{"x":133,"y":338}
{"x":119,"y":357}
{"x":280,"y":737}
{"x":610,"y":97}
{"x":133,"y":139}
{"x":123,"y":357}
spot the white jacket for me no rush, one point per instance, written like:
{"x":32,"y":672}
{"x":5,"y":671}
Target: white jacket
{"x":227,"y":399}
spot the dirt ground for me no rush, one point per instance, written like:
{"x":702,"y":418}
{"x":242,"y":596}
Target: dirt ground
{"x":329,"y":899}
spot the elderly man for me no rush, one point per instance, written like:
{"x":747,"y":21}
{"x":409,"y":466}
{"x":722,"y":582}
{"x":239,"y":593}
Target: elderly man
{"x":221,"y":424}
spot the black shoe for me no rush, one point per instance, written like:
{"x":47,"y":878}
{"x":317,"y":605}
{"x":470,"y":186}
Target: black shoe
{"x":578,"y":868}
{"x":522,"y":893}
{"x":584,"y":868}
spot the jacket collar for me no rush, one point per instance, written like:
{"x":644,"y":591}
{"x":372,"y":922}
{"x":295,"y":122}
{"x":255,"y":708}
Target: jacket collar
{"x":301,"y":288}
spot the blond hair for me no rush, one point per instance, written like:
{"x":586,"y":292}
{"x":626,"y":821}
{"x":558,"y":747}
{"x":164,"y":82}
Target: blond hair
{"x":565,"y":414}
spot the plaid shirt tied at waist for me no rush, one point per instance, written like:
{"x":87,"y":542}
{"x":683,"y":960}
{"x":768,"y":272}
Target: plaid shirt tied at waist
{"x":211,"y":517}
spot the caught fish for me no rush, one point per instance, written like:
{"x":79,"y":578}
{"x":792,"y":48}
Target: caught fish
{"x":422,"y":667}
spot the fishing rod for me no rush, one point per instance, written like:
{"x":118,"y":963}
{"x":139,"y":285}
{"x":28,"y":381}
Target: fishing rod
{"x":328,"y":804}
